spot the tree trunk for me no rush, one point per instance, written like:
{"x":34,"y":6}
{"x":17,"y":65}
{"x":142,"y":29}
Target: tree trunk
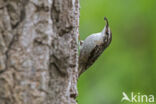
{"x":38,"y":51}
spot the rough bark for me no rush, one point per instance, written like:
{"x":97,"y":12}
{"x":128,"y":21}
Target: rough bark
{"x":38,"y":51}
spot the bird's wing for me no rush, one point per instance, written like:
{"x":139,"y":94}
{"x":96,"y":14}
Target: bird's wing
{"x":95,"y":53}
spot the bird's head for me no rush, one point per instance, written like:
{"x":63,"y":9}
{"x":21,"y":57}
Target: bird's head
{"x":107,"y":33}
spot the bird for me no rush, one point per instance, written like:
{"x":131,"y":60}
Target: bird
{"x":93,"y":46}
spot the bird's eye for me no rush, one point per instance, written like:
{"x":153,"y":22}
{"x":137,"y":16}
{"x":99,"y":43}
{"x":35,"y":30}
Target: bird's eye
{"x":107,"y":33}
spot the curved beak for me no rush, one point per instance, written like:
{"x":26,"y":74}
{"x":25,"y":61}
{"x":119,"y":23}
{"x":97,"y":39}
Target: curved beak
{"x":107,"y":24}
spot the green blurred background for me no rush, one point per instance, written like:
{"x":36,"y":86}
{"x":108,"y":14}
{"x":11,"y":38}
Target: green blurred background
{"x":129,"y":63}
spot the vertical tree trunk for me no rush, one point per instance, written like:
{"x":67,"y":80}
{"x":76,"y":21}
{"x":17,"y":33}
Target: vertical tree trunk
{"x":38,"y":51}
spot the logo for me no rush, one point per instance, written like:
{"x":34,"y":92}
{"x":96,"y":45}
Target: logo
{"x":137,"y":98}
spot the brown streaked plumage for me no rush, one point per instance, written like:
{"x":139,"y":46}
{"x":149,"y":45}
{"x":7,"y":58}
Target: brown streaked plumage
{"x":93,"y":46}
